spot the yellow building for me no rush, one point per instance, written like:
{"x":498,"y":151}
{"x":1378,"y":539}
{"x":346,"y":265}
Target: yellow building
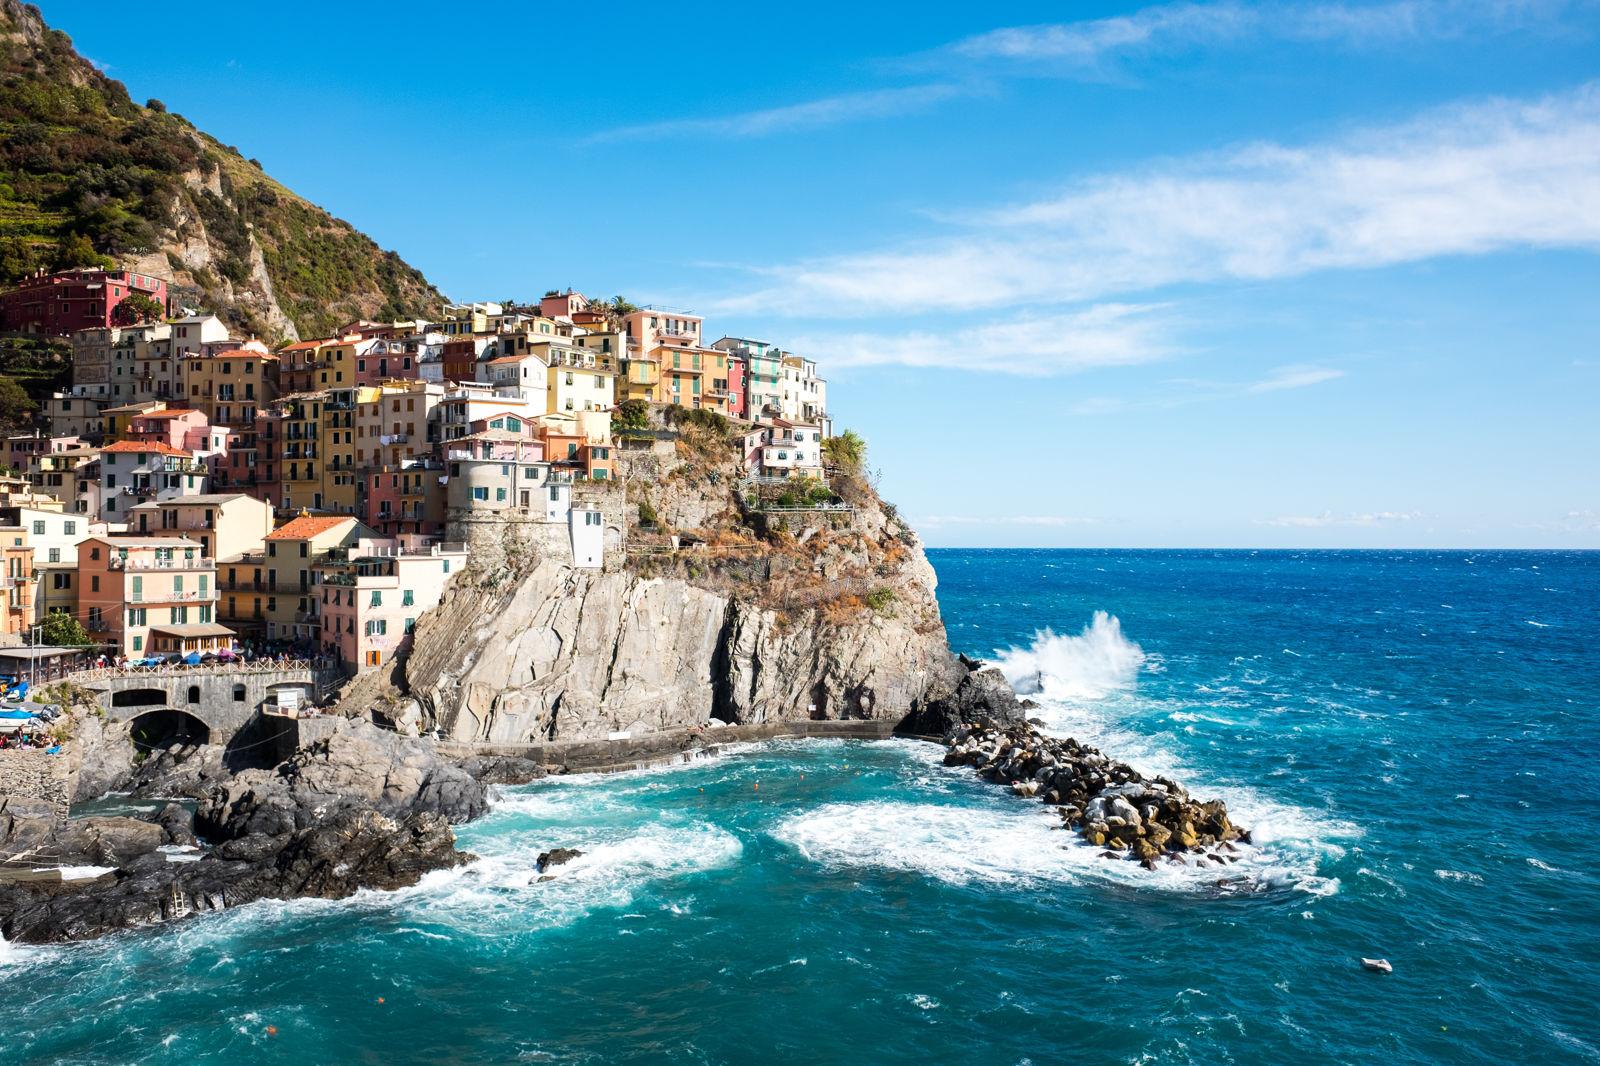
{"x":270,"y":592}
{"x":392,"y":422}
{"x":229,"y":386}
{"x":341,"y":479}
{"x":300,"y":460}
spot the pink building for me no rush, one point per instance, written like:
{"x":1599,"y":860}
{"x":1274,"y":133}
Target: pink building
{"x":373,"y":592}
{"x":407,"y":497}
{"x":563,"y":304}
{"x":20,"y":450}
{"x":182,"y":428}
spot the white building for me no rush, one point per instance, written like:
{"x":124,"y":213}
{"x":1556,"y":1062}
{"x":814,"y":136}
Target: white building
{"x":587,"y":527}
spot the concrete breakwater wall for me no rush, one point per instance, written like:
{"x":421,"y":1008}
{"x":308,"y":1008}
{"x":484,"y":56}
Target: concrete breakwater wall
{"x":629,"y":753}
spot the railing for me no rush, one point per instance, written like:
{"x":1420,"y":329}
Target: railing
{"x":257,"y":666}
{"x":118,"y":563}
{"x":171,"y":596}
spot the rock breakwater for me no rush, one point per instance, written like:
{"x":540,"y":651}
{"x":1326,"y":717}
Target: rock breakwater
{"x":1108,"y":803}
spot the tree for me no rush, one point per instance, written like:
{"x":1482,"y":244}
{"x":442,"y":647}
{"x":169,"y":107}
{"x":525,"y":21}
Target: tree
{"x":61,"y":630}
{"x":16,"y":406}
{"x":78,"y":251}
{"x":622,"y":306}
{"x":137,"y":307}
{"x":155,"y":105}
{"x":847,"y":451}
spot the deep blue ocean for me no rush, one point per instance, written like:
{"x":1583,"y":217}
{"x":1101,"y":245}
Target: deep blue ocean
{"x":1414,"y":737}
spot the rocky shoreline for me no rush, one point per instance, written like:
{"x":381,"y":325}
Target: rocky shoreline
{"x":1108,"y":803}
{"x":363,"y":808}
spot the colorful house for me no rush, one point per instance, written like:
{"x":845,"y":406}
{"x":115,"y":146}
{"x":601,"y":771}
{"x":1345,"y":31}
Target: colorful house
{"x":149,"y":595}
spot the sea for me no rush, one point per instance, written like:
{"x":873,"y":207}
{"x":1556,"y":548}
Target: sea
{"x":1413,"y":738}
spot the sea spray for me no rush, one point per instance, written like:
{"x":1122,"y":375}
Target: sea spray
{"x":1089,"y":666}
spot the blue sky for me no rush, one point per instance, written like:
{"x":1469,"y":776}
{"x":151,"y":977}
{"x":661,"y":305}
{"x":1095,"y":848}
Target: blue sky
{"x":1091,"y":274}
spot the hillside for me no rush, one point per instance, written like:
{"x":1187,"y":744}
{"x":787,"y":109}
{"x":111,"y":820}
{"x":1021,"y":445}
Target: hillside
{"x":87,"y":174}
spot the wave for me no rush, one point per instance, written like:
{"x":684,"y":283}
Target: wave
{"x":999,"y":844}
{"x":1089,"y":666}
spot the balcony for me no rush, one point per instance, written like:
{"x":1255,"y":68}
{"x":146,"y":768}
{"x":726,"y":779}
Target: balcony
{"x":131,"y":563}
{"x":170,"y":596}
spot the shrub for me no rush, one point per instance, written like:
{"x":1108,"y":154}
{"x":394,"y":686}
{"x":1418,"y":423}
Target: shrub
{"x":879,"y":599}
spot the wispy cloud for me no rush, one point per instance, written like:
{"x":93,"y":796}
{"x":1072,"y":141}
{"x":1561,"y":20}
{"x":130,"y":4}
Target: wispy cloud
{"x":1328,"y":518}
{"x":1091,"y":46}
{"x":1294,"y":377}
{"x":811,"y":114}
{"x":1182,"y":393}
{"x":1464,"y":180}
{"x":1030,"y":345}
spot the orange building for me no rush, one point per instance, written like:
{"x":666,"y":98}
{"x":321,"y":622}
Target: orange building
{"x":150,"y":595}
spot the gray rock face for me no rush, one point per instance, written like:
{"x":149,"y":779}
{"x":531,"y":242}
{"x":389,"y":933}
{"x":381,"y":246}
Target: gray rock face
{"x":576,"y":655}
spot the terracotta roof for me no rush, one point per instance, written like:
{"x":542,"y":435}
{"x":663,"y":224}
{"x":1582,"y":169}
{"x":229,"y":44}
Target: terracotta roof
{"x":126,"y":446}
{"x":306,"y":526}
{"x":177,"y":413}
{"x":301,"y":346}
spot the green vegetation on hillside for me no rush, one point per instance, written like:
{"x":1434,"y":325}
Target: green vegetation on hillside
{"x":88,"y":177}
{"x":31,"y":368}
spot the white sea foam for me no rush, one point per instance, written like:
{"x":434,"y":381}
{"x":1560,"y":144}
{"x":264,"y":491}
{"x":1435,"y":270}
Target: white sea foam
{"x":501,"y":889}
{"x":1011,"y":843}
{"x":1088,"y":666}
{"x":1458,"y":875}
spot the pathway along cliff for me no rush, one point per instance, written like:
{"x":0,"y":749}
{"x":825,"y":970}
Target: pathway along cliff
{"x":779,"y":616}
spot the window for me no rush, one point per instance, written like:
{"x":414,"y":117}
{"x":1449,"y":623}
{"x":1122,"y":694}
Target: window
{"x":194,"y":693}
{"x":500,"y":495}
{"x":55,"y":555}
{"x":377,"y":598}
{"x":38,"y":529}
{"x":408,"y":598}
{"x":138,"y":643}
{"x":411,"y":624}
{"x":238,"y":694}
{"x":480,"y":494}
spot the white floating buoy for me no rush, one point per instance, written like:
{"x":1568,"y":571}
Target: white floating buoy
{"x":1377,"y":965}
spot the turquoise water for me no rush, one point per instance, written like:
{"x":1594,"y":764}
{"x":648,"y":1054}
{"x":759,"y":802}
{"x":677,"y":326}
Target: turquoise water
{"x":1413,"y":737}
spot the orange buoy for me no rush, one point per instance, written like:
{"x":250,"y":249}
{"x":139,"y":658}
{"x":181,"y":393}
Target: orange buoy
{"x":272,"y":1030}
{"x":380,"y":999}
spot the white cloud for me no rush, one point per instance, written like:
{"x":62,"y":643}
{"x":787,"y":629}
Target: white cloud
{"x":1100,"y":336}
{"x":1328,"y":518}
{"x":1183,"y":392}
{"x":1294,"y":377}
{"x":811,"y":114}
{"x":1460,"y":181}
{"x":1089,"y":45}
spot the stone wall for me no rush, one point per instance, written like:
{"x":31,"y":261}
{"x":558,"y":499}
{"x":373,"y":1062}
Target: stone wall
{"x":36,"y":776}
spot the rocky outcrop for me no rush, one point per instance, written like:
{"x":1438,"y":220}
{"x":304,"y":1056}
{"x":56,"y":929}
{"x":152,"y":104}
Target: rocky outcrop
{"x":1109,"y":803}
{"x":576,"y":655}
{"x":359,"y":809}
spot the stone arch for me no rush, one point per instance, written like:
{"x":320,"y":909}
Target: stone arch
{"x":613,"y":539}
{"x":167,"y":727}
{"x":140,"y":697}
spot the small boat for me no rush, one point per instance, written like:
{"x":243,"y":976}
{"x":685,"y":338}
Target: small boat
{"x":1377,"y":965}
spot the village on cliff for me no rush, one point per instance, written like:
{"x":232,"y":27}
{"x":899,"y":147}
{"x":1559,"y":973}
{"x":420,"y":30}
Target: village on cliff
{"x":197,"y":497}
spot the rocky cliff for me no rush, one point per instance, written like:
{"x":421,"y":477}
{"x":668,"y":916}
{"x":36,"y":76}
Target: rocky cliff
{"x":762,"y":615}
{"x":89,"y":176}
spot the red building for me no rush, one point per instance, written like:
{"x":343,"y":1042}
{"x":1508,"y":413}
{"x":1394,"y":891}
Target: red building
{"x":59,"y":304}
{"x":738,"y":395}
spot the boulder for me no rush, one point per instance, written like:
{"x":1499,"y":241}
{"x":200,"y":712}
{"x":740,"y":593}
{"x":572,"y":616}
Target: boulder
{"x":555,"y":857}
